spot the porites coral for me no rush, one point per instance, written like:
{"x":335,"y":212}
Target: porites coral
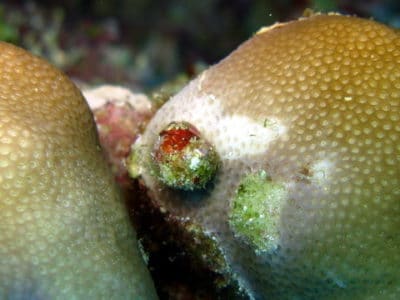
{"x":314,"y":103}
{"x":64,"y":231}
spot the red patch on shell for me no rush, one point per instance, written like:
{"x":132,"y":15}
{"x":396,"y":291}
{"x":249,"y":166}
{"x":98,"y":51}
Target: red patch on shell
{"x":175,"y":139}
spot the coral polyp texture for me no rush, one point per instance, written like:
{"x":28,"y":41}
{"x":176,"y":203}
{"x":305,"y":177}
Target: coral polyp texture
{"x":304,"y":117}
{"x":64,"y":230}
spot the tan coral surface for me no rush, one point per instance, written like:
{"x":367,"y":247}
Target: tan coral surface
{"x":314,"y":104}
{"x":64,"y":233}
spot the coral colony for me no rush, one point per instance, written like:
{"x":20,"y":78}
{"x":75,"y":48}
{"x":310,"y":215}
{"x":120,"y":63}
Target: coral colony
{"x":278,"y":167}
{"x":304,"y":118}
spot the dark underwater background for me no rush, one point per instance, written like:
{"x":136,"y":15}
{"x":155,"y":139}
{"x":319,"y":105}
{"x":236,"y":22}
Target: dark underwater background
{"x":143,"y":43}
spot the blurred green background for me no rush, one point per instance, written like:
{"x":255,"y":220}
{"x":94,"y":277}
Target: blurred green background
{"x":141,"y":43}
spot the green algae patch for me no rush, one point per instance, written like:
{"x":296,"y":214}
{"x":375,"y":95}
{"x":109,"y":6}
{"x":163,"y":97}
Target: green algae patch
{"x":255,"y":210}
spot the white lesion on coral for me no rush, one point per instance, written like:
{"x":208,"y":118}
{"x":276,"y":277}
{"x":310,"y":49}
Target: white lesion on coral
{"x":201,"y":79}
{"x":243,"y":136}
{"x":234,"y":136}
{"x":266,"y":29}
{"x":321,"y":171}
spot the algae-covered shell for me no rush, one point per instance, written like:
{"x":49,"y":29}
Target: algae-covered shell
{"x":314,"y":105}
{"x":183,"y":159}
